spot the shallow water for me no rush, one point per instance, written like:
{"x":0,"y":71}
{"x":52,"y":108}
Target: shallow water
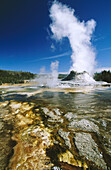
{"x":80,"y":114}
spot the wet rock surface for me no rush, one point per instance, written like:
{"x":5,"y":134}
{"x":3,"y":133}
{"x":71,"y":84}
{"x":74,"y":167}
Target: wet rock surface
{"x":89,"y":149}
{"x":65,"y":136}
{"x":84,"y":125}
{"x":54,"y":115}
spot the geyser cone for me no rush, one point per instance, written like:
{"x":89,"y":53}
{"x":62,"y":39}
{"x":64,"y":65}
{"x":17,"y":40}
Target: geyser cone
{"x":79,"y":78}
{"x":70,"y":76}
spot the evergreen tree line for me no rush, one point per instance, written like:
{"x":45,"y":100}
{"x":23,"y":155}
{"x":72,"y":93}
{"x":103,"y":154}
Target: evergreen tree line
{"x":15,"y":76}
{"x":103,"y":76}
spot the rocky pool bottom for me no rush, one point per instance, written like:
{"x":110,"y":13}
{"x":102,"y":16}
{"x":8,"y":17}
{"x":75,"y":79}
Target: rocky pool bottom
{"x":54,"y":130}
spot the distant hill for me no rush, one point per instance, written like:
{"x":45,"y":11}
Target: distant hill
{"x":15,"y":76}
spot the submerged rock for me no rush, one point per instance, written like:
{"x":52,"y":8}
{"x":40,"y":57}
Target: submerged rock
{"x":65,"y":136}
{"x":54,"y":115}
{"x":84,"y":125}
{"x":89,"y":149}
{"x":70,"y":116}
{"x":57,"y":111}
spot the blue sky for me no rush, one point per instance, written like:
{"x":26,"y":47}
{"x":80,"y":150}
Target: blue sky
{"x":25,"y":35}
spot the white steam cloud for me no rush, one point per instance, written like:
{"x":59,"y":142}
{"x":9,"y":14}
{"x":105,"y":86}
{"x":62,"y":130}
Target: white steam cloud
{"x":42,"y":70}
{"x":54,"y":70}
{"x":66,"y":24}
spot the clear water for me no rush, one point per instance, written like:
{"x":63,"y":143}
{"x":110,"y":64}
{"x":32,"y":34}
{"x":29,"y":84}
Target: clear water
{"x":94,"y":106}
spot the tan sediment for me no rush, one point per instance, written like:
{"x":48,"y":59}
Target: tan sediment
{"x":19,"y":84}
{"x":64,"y":90}
{"x":32,"y":141}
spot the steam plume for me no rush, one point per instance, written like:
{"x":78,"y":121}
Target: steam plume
{"x":54,"y":70}
{"x":65,"y":24}
{"x":42,"y":70}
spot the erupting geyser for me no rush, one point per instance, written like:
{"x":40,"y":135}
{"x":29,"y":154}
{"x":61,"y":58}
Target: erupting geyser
{"x":54,"y":69}
{"x":66,"y":24}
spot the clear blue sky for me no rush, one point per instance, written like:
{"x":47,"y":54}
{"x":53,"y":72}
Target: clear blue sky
{"x":25,"y":40}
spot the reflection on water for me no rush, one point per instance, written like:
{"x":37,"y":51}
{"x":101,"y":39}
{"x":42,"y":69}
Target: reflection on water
{"x":75,"y":114}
